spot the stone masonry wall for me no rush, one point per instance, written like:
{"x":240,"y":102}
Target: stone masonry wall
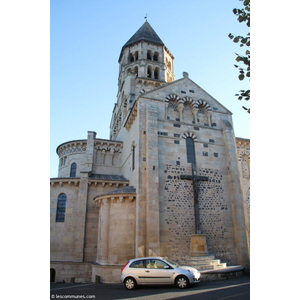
{"x":177,"y":211}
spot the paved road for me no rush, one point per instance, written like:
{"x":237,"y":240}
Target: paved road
{"x":233,"y":289}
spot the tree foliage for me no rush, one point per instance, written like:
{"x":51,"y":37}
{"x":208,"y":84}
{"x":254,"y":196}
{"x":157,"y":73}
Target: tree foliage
{"x":243,"y":15}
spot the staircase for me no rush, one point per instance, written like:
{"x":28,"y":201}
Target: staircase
{"x":202,"y":263}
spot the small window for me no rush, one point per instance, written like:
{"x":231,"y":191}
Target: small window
{"x":190,"y":150}
{"x":133,"y":157}
{"x":73,"y":170}
{"x":155,"y":56}
{"x":61,"y":208}
{"x":138,"y":264}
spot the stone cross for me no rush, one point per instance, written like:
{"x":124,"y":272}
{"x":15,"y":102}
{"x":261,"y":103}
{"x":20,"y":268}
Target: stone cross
{"x":196,"y":180}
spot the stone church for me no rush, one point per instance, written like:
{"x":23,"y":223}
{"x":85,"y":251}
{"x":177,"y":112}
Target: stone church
{"x":172,"y":180}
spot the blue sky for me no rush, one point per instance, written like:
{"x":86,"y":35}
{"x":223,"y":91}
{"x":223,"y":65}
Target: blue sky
{"x":86,"y":38}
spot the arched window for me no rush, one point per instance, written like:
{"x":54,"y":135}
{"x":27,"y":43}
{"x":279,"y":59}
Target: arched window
{"x":61,"y":208}
{"x":190,"y":150}
{"x":136,"y":55}
{"x":130,"y":57}
{"x":149,"y":72}
{"x":155,"y":56}
{"x":156,"y":73}
{"x":149,"y":54}
{"x":73,"y":170}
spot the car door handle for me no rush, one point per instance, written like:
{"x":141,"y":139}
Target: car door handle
{"x":147,"y":271}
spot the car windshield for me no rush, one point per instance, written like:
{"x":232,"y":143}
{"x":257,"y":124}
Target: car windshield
{"x":174,"y":264}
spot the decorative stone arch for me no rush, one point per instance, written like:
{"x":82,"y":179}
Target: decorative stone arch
{"x":204,"y":108}
{"x":190,"y":106}
{"x":190,"y":134}
{"x":173,"y":97}
{"x":189,"y":101}
{"x":172,"y":101}
{"x":202,"y":105}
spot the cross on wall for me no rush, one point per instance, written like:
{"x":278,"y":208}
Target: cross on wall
{"x":196,"y":183}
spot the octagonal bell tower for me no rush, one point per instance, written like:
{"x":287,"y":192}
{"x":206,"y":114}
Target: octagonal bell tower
{"x":144,"y":63}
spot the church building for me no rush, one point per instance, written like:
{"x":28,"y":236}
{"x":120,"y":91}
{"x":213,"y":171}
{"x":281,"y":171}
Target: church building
{"x":172,"y":180}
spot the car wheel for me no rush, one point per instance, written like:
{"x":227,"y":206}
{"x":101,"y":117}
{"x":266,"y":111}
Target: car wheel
{"x":130,"y":283}
{"x":182,"y":282}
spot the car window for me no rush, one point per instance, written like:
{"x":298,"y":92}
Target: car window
{"x":155,"y":264}
{"x":137,"y":264}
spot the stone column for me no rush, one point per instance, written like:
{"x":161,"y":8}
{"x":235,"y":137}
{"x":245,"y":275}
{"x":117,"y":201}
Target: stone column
{"x":180,"y":109}
{"x":104,"y":231}
{"x":195,"y":114}
{"x":152,"y":184}
{"x":90,"y":151}
{"x":81,"y":217}
{"x":208,"y":114}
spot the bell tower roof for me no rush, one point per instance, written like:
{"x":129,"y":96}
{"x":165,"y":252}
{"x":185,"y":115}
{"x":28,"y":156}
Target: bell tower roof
{"x":145,"y":33}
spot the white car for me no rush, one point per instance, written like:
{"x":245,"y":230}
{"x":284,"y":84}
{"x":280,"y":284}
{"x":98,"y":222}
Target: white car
{"x":157,"y":270}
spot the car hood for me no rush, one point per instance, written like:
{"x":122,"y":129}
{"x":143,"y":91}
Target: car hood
{"x":188,"y":268}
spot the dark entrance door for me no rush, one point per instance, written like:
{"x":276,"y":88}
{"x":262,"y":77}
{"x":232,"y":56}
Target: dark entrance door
{"x":52,"y":275}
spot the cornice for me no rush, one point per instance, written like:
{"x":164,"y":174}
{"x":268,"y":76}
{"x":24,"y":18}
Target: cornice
{"x":91,"y":182}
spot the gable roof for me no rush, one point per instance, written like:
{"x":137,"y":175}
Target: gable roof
{"x":179,"y":82}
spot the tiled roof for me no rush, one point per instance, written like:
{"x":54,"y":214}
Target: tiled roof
{"x":126,"y":190}
{"x":145,"y":33}
{"x":108,"y":177}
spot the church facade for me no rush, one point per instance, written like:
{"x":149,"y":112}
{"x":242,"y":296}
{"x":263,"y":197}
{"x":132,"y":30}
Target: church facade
{"x":129,"y":196}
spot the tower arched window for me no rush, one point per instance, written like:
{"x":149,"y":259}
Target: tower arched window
{"x":149,"y":55}
{"x":136,"y":55}
{"x":190,"y":150}
{"x":149,"y":72}
{"x":155,"y":56}
{"x":156,"y":73}
{"x":73,"y":170}
{"x":61,"y":208}
{"x":130,"y":58}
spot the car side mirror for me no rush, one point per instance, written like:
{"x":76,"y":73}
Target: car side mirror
{"x":166,"y":267}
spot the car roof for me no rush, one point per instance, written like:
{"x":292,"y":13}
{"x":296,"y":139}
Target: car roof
{"x":149,"y":257}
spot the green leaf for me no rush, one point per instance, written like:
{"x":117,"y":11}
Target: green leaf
{"x":236,"y":39}
{"x":241,"y":77}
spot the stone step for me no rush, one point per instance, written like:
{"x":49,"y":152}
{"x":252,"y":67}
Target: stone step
{"x":197,"y":258}
{"x":203,"y":263}
{"x":215,"y":262}
{"x":222,"y":274}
